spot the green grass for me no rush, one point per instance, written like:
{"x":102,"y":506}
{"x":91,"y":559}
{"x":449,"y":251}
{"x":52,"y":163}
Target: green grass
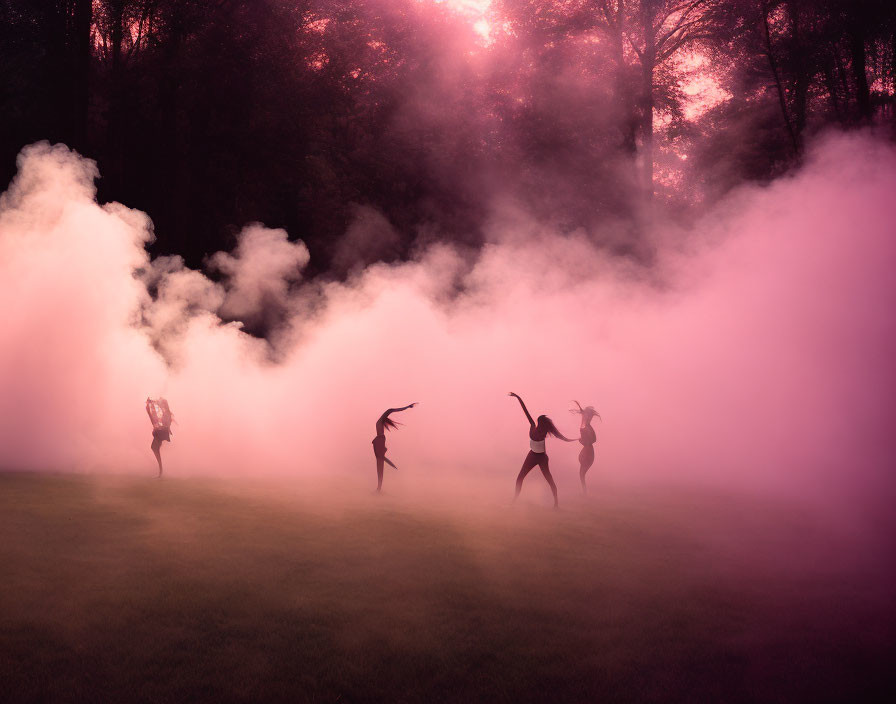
{"x":124,"y":589}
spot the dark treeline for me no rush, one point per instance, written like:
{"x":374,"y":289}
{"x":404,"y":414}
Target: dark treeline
{"x":395,"y":117}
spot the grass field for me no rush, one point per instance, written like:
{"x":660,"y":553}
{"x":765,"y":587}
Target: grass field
{"x":126,"y":589}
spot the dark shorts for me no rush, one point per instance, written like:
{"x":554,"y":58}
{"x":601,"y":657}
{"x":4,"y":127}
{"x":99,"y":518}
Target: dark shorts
{"x":379,"y":446}
{"x":163,"y":434}
{"x":535,"y":459}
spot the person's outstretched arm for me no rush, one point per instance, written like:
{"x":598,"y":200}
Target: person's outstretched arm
{"x":397,"y":410}
{"x":382,"y":418}
{"x":525,"y":410}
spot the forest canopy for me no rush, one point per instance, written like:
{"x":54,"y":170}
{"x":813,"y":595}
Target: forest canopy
{"x":413,"y":119}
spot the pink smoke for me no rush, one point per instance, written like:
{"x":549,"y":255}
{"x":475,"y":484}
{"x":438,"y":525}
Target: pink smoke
{"x":758,"y":352}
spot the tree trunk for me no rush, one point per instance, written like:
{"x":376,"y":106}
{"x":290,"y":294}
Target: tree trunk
{"x":777,"y":76}
{"x":841,"y":73}
{"x":648,"y":12}
{"x":893,"y":74}
{"x":647,"y":124}
{"x":857,"y":55}
{"x":828,"y":72}
{"x":174,"y":189}
{"x":81,"y":18}
{"x":67,"y":25}
{"x":115,"y":117}
{"x":800,"y":77}
{"x":628,"y":104}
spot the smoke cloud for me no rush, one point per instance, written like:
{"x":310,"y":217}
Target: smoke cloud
{"x":259,"y":275}
{"x":756,"y":353}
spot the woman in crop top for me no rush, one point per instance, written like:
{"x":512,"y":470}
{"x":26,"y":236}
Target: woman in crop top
{"x":587,"y":437}
{"x":538,"y":431}
{"x":383,"y":423}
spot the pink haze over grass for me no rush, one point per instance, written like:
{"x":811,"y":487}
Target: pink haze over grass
{"x":757,"y":354}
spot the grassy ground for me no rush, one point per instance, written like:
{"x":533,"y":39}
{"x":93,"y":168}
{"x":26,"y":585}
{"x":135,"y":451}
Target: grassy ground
{"x":122,"y":589}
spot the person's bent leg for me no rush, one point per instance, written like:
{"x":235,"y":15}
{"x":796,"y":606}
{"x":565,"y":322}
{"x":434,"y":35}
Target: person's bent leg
{"x":156,"y":450}
{"x":528,"y":464}
{"x":545,"y":470}
{"x":586,"y":459}
{"x":584,"y":466}
{"x":389,"y":462}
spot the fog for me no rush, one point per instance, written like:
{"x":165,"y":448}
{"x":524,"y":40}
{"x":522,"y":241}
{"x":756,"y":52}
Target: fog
{"x":755,"y":353}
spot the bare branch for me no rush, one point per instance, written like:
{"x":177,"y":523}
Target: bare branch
{"x":148,"y":8}
{"x":684,"y":37}
{"x":637,"y":51}
{"x":682,"y":23}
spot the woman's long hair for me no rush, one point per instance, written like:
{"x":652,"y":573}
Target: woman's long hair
{"x":390,"y":424}
{"x":587,"y":412}
{"x":167,"y":415}
{"x":552,"y":429}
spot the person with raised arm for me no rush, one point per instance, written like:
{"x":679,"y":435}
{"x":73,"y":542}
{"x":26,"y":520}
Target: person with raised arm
{"x":383,"y":423}
{"x":161,"y":417}
{"x":587,"y":437}
{"x":538,"y":431}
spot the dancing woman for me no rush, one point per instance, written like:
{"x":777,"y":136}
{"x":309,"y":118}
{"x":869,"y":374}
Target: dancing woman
{"x":587,"y":437}
{"x":160,"y":416}
{"x":383,"y":423}
{"x":537,"y":455}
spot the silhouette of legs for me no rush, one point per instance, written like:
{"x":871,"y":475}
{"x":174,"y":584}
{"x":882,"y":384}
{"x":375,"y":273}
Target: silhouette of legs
{"x":543,"y":464}
{"x":528,"y":463}
{"x":156,"y":447}
{"x":586,"y":459}
{"x":541,"y":460}
{"x":381,"y":461}
{"x":379,"y":473}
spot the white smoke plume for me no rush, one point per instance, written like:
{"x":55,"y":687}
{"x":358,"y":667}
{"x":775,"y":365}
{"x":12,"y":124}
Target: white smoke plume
{"x":259,"y":274}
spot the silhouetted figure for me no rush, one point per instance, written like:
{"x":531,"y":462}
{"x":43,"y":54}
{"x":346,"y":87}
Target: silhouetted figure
{"x":160,"y":416}
{"x":379,"y":442}
{"x":537,"y":455}
{"x":587,"y":437}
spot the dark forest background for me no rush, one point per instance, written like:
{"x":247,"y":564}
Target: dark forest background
{"x":396,"y":116}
